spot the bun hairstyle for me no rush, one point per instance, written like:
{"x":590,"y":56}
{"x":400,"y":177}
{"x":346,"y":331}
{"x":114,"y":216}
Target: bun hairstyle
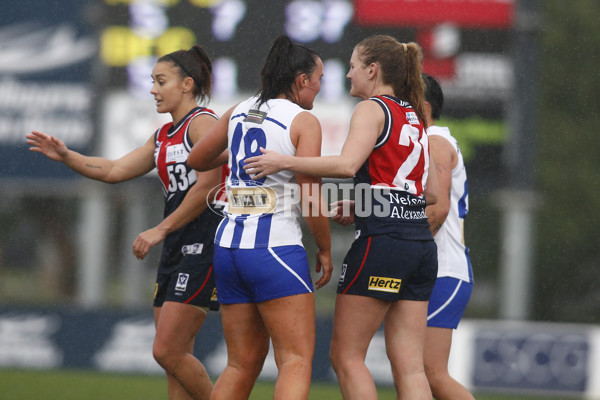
{"x":196,"y":64}
{"x":400,"y":65}
{"x":285,"y":61}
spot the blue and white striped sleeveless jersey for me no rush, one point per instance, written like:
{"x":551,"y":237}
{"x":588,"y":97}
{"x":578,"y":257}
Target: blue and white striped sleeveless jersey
{"x":453,"y":255}
{"x":266,"y":212}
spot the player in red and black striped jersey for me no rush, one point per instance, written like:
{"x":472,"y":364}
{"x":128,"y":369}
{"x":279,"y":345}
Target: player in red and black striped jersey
{"x":185,"y":287}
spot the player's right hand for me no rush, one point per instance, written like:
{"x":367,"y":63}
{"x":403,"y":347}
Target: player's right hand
{"x":49,"y":146}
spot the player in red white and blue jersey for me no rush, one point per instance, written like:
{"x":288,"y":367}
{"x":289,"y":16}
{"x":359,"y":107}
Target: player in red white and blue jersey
{"x":390,"y":270}
{"x":185,"y":287}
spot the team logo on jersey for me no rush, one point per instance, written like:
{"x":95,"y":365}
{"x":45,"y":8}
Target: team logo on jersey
{"x":176,"y":154}
{"x":182,"y":281}
{"x":195,"y":248}
{"x":412,"y":119}
{"x":382,"y":284}
{"x":252,"y":200}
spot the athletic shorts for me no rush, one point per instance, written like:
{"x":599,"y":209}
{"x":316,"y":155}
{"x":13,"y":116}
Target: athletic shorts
{"x":257,"y":275}
{"x":193,"y":282}
{"x":448,"y":302}
{"x":389,"y":268}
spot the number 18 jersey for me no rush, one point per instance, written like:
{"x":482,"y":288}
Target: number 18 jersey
{"x":265,"y":212}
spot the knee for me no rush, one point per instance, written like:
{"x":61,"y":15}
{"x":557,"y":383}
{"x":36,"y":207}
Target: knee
{"x":166,"y":355}
{"x":250,"y":363}
{"x":160,"y":354}
{"x":336,"y":357}
{"x":436,"y":378}
{"x":299,"y":363}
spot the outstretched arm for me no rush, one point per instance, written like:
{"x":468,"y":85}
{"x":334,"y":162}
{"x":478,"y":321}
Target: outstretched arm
{"x":365,"y":125}
{"x":136,"y":163}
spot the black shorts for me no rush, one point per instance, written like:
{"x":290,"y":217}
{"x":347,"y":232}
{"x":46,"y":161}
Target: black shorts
{"x":193,"y":282}
{"x":389,"y":268}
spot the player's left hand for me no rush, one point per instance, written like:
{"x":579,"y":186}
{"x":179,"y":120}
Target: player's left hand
{"x":270,"y":162}
{"x":146,"y":240}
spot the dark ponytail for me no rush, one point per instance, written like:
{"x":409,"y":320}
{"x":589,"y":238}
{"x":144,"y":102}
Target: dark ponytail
{"x":286,"y":60}
{"x":434,"y":95}
{"x":196,"y":64}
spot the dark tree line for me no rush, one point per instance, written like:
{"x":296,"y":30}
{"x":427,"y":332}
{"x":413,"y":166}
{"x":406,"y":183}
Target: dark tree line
{"x":568,"y":163}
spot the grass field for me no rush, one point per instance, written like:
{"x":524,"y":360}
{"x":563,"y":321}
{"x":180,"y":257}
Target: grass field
{"x":85,"y":385}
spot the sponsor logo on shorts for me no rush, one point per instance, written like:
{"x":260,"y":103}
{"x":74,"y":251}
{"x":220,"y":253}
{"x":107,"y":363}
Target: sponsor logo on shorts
{"x":182,"y":281}
{"x":195,"y":248}
{"x":213,"y":296}
{"x":383,"y":284}
{"x":343,"y":273}
{"x":155,"y":290}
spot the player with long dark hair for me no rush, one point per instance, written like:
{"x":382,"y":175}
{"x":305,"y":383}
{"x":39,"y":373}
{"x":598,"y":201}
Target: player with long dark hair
{"x":263,"y":276}
{"x":454,"y":283}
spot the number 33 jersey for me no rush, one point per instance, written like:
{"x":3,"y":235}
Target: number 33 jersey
{"x":264,"y":212}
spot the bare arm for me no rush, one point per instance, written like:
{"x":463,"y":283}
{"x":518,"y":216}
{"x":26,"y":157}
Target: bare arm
{"x":306,"y":135}
{"x":365,"y":126}
{"x":194,"y":203}
{"x":135,"y":163}
{"x":432,"y":189}
{"x":444,"y":159}
{"x":210,"y":151}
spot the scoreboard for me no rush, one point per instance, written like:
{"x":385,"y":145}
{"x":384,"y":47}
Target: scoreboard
{"x":237,"y":35}
{"x":467,"y":49}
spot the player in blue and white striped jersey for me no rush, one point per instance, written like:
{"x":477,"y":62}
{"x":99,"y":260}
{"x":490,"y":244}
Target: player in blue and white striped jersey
{"x":454,"y":283}
{"x":262,"y":272}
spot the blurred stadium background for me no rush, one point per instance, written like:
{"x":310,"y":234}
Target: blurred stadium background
{"x":521,"y":83}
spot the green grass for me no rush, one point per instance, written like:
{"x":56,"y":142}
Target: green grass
{"x":88,"y":385}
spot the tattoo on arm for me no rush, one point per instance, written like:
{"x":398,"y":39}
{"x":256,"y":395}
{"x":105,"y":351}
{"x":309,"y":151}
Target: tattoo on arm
{"x":93,"y":166}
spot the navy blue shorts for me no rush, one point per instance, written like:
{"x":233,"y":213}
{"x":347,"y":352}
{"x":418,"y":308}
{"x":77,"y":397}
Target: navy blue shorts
{"x":448,"y":302}
{"x":257,"y":275}
{"x":389,"y":268}
{"x":193,"y":282}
